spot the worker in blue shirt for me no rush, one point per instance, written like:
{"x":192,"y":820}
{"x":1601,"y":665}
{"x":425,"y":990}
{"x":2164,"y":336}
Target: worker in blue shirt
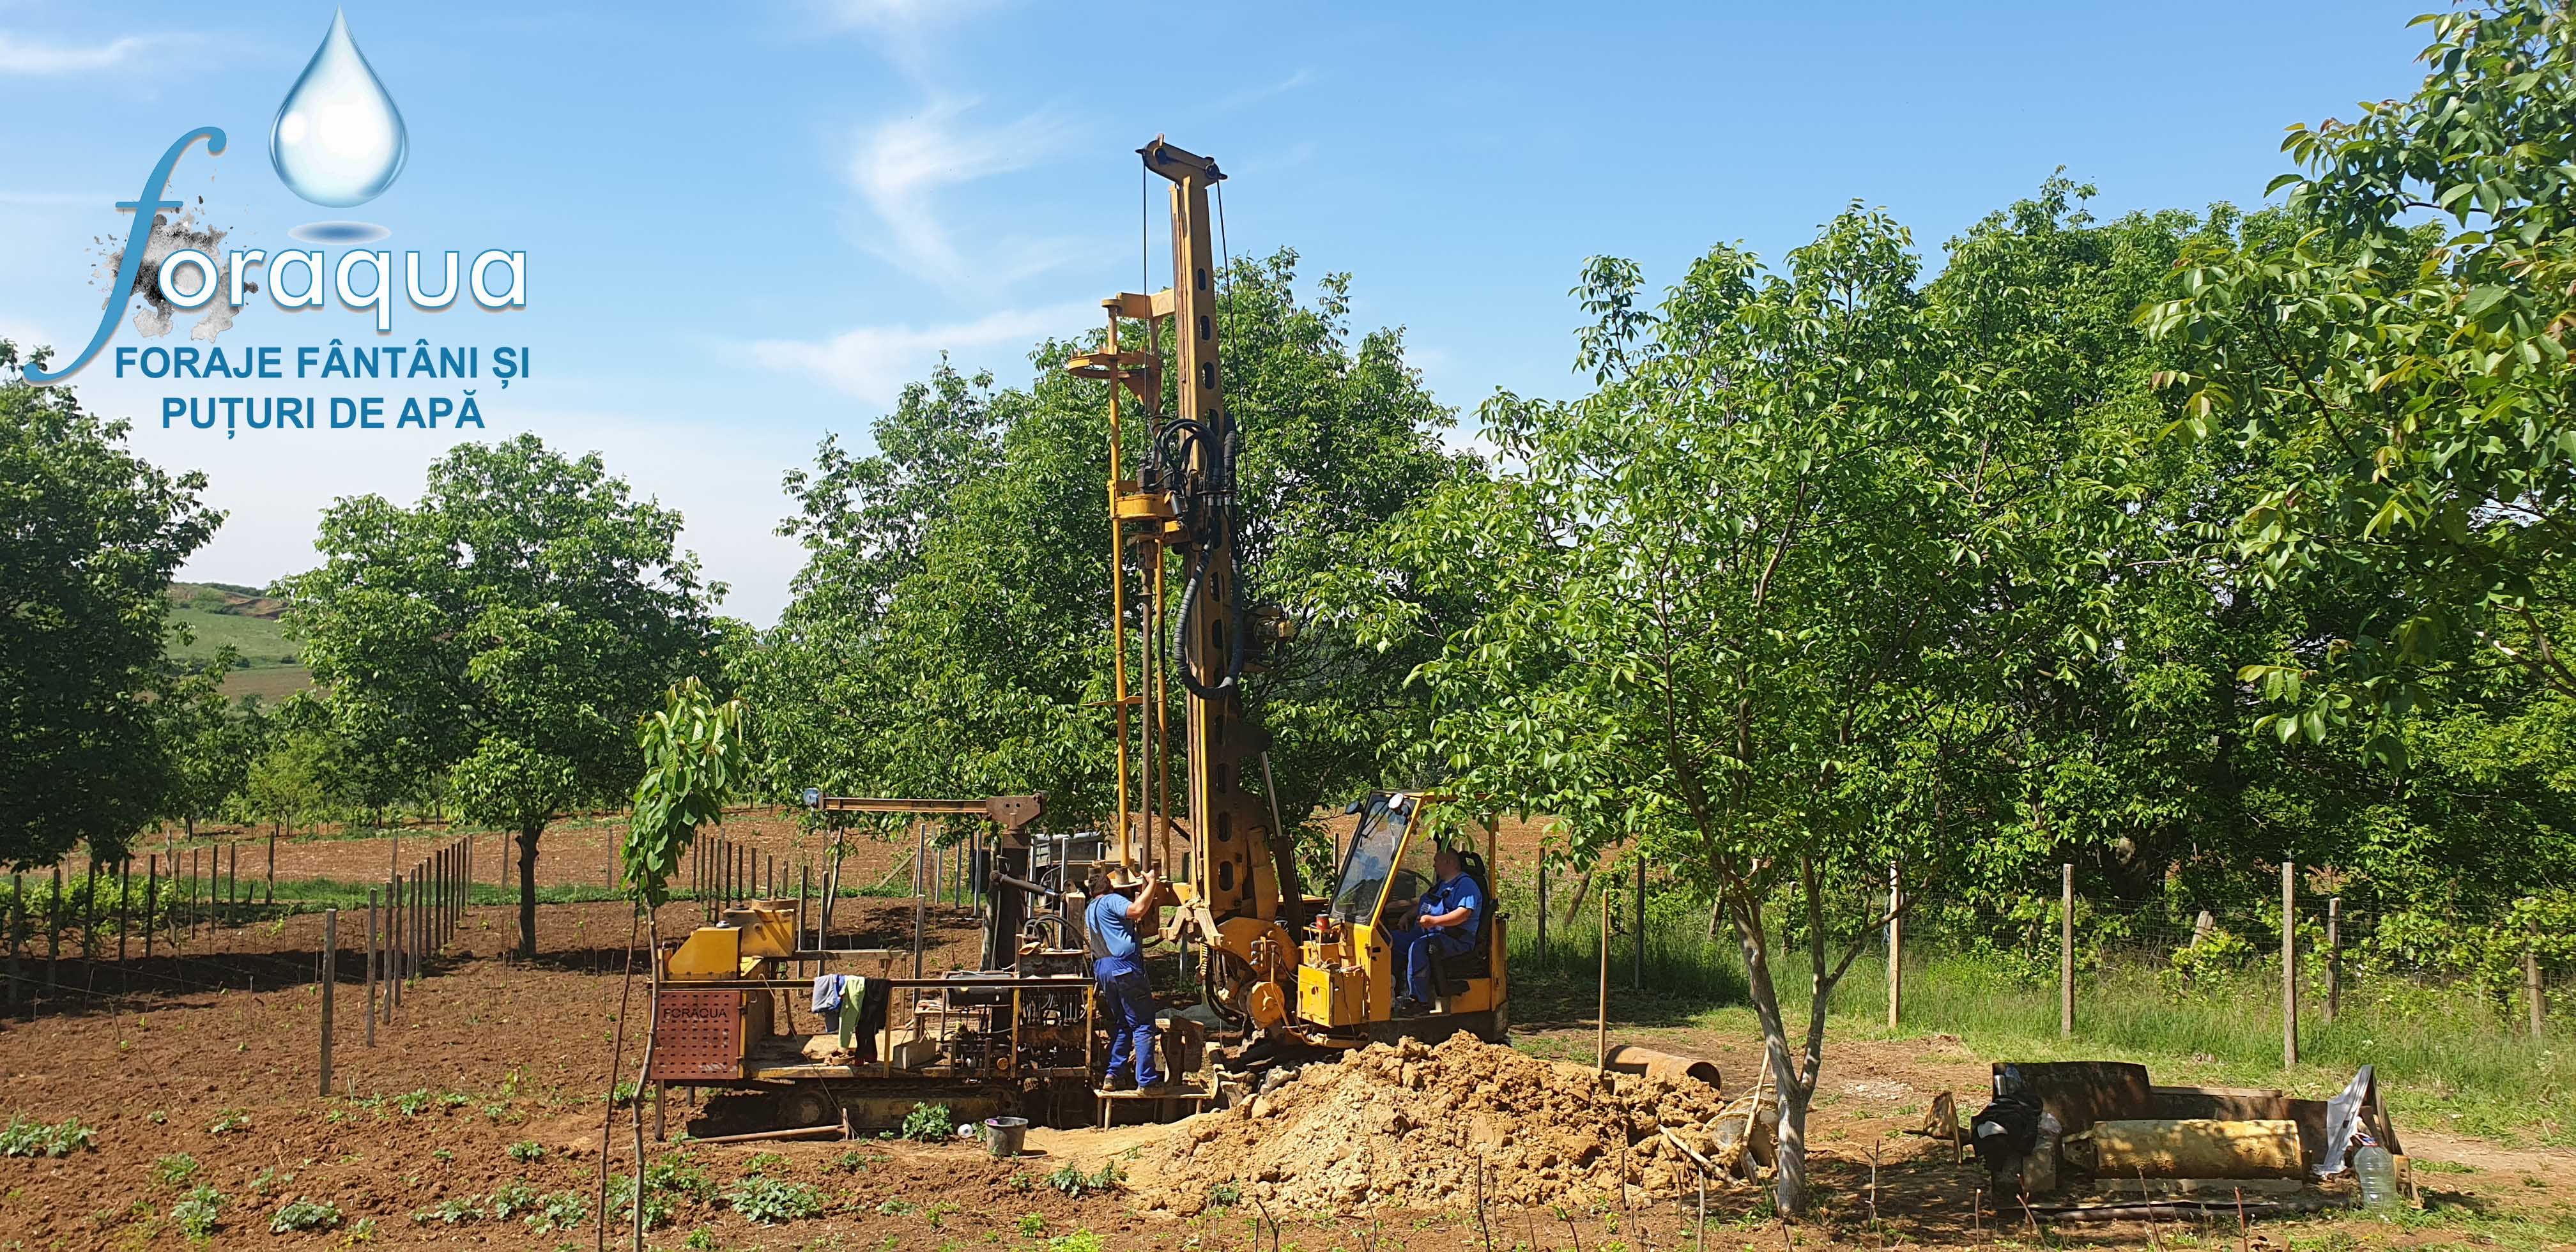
{"x":1444,"y":925}
{"x":1119,"y":903}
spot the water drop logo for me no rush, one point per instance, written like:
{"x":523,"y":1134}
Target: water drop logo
{"x":338,"y":139}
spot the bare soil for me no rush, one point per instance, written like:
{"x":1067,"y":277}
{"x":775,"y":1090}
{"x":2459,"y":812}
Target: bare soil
{"x":212,"y":1052}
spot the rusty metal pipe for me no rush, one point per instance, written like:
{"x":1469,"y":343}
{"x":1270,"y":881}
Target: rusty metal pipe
{"x":1628,"y":1058}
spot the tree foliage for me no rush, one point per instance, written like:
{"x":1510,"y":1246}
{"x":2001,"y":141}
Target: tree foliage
{"x":2403,"y":357}
{"x":504,"y":633}
{"x":695,"y":759}
{"x":951,"y":628}
{"x":89,"y":537}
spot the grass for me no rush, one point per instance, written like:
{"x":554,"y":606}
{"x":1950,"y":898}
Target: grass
{"x":261,"y":641}
{"x":2445,"y":1057}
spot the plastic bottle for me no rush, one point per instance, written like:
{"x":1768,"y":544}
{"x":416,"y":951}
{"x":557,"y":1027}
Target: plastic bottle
{"x":2376,"y":1170}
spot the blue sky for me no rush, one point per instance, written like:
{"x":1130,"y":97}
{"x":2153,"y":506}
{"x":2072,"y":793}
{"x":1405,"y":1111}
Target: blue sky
{"x":748,"y":225}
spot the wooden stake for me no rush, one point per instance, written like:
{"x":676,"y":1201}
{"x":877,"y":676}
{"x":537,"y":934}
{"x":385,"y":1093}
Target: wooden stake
{"x":2066,"y":951}
{"x":2289,"y":964}
{"x":2334,"y":957}
{"x":1601,"y":1049}
{"x":330,"y":979}
{"x":371,"y":967}
{"x":2533,"y":990}
{"x":1895,"y":945}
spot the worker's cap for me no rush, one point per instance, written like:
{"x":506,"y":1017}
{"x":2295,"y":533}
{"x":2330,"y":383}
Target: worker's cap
{"x":1123,"y":877}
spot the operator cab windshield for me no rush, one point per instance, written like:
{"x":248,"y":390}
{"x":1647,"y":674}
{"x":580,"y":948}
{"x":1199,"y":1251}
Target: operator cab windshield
{"x":1371,"y":860}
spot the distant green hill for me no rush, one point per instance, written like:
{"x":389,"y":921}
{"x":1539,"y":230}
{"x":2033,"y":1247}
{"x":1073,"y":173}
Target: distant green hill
{"x":217,"y":614}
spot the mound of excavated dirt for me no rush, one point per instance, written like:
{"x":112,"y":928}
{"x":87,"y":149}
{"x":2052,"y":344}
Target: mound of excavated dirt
{"x":1406,"y":1125}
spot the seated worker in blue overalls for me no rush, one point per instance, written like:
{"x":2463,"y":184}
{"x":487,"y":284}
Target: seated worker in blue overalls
{"x":1119,"y":903}
{"x":1444,"y":925}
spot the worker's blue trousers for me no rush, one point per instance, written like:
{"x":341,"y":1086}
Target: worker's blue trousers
{"x":1128,"y":1001}
{"x":1420,"y":947}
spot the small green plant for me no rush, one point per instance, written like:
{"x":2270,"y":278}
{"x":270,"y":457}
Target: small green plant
{"x":453,"y":1211}
{"x":1023,"y":1183}
{"x":897,"y":1207}
{"x":454,"y":1100}
{"x":558,"y":1210}
{"x":268,"y":1180}
{"x":526,"y":1151}
{"x":175,"y":1169}
{"x":929,"y":1123}
{"x":511,"y":1200}
{"x":414,"y":1103}
{"x":770,"y":1163}
{"x":228,"y":1121}
{"x":305,"y":1214}
{"x":200,"y":1213}
{"x":852,"y":1162}
{"x":362,"y":1230}
{"x":1224,"y":1195}
{"x":1032,"y":1226}
{"x":699,"y":1240}
{"x":768,"y":1201}
{"x":32,"y":1138}
{"x":443,"y":1155}
{"x":1070,"y":1179}
{"x":1078,"y":1241}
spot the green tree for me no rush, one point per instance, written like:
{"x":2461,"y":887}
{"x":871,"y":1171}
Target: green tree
{"x":211,"y":740}
{"x":2413,"y":378}
{"x":1768,"y":606}
{"x":506,"y":631}
{"x":951,"y":628}
{"x":89,"y":537}
{"x":289,"y":783}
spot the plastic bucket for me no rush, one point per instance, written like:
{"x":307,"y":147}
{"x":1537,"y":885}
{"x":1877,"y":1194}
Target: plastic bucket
{"x":1003,"y":1135}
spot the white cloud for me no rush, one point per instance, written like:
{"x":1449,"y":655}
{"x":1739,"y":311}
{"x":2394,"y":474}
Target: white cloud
{"x":874,"y":362}
{"x":901,"y":166}
{"x":35,"y":57}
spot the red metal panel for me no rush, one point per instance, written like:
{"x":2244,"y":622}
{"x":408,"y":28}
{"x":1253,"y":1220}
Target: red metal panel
{"x":697,"y":1036}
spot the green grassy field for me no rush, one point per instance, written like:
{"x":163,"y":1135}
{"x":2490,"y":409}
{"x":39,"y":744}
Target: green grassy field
{"x":219,"y":616}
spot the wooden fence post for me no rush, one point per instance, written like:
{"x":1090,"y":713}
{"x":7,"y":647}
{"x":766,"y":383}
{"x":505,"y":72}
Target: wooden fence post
{"x":2334,"y":957}
{"x":2289,"y":964}
{"x":330,"y":979}
{"x":395,"y":917}
{"x":1638,"y":975}
{"x":151,"y":893}
{"x":54,"y":937}
{"x":1542,"y":909}
{"x":14,"y":920}
{"x":1601,"y":1047}
{"x":1895,"y":945}
{"x":2066,"y":950}
{"x":2532,"y":988}
{"x":371,"y":967}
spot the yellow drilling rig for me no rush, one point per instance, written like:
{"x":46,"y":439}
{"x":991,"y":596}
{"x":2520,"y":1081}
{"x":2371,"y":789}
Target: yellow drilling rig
{"x":1280,"y":970}
{"x":1316,"y":969}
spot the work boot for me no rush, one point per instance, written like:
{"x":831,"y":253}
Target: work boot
{"x":1118,"y":1082}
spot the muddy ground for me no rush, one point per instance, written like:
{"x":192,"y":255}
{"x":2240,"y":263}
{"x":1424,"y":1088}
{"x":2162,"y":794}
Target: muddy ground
{"x":212,"y":1053}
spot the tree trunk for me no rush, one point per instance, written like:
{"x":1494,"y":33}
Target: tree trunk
{"x":528,"y":888}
